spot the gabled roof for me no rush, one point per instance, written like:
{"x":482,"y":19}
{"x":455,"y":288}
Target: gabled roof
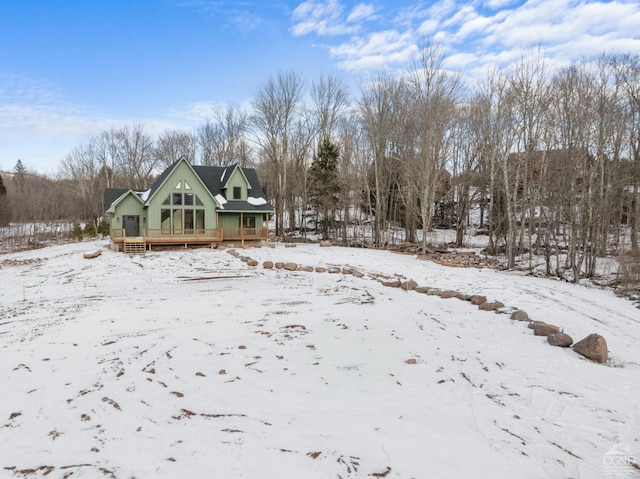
{"x":113,"y":196}
{"x":214,"y":179}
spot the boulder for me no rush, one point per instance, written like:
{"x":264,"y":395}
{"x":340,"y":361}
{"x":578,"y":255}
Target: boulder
{"x":560,"y":339}
{"x":279,"y":265}
{"x":290,"y":266}
{"x":464,"y":297}
{"x":490,"y":305}
{"x":358,"y":273}
{"x":477,"y":299}
{"x":434,"y":292}
{"x":252,"y":262}
{"x":308,"y":269}
{"x":392,"y":283}
{"x":347,"y":270}
{"x":290,"y":245}
{"x":422,"y":289}
{"x":233,"y":253}
{"x":267,"y":265}
{"x":448,"y":294}
{"x":325,"y":244}
{"x":244,"y":259}
{"x":593,"y":347}
{"x":409,"y":285}
{"x":540,"y":328}
{"x":520,"y":315}
{"x":321,"y":269}
{"x":334,"y":270}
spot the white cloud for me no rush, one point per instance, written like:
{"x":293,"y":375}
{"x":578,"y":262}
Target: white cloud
{"x":322,"y":18}
{"x":328,"y":17}
{"x":362,"y":11}
{"x":375,"y":51}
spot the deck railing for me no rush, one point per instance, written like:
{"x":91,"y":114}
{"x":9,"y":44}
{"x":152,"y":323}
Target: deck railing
{"x":180,"y":235}
{"x":197,"y":235}
{"x":244,"y":233}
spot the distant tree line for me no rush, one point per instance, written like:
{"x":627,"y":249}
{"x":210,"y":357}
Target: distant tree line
{"x":551,"y":158}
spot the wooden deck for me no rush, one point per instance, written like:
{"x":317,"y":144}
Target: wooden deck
{"x":185,"y":238}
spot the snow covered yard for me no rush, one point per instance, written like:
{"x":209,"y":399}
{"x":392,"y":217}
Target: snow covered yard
{"x":190,"y":363}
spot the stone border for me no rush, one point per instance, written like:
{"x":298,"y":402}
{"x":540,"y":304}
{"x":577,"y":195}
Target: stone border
{"x":593,"y":347}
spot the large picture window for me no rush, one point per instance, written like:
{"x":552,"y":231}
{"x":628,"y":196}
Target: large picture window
{"x":184,"y":211}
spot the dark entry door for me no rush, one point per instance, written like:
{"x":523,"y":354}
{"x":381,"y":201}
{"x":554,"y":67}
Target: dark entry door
{"x":132,"y":225}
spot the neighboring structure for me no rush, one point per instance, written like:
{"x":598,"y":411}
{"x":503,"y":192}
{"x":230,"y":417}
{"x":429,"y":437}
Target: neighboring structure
{"x":190,"y":205}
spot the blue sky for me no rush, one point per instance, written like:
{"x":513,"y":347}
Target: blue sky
{"x":72,"y":69}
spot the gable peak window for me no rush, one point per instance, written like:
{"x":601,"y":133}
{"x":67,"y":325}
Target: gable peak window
{"x":237,"y":193}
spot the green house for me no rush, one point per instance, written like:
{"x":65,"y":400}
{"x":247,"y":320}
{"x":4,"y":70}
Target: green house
{"x":190,"y":205}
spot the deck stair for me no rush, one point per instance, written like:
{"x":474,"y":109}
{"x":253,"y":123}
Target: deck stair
{"x":135,"y":245}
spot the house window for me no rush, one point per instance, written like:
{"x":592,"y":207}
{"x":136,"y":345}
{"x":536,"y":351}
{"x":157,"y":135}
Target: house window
{"x":177,"y":219}
{"x":188,"y":199}
{"x":200,"y":219}
{"x":188,"y":219}
{"x":177,"y":198}
{"x":249,"y":221}
{"x":165,"y":219}
{"x":237,"y":193}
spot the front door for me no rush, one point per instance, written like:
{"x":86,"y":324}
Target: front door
{"x":131,"y":225}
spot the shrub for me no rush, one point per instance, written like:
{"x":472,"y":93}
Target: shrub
{"x":77,"y":232}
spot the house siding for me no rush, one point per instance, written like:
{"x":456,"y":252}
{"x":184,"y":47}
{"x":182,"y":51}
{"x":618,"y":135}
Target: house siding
{"x":182,"y":173}
{"x":129,"y":206}
{"x":237,"y":179}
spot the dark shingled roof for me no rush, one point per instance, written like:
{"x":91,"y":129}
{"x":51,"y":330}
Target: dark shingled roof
{"x":211,"y":176}
{"x":112,"y":194}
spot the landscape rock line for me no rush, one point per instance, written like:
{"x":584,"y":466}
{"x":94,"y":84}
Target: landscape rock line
{"x":593,"y":347}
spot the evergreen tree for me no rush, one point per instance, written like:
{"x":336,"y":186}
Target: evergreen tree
{"x":324,"y":186}
{"x":20,"y":172}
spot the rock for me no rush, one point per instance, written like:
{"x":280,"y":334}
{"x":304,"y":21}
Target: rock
{"x":233,"y":253}
{"x":490,"y":305}
{"x":271,"y":245}
{"x":560,"y":339}
{"x":346,"y":270}
{"x":267,"y":265}
{"x":279,"y":265}
{"x":434,"y":292}
{"x":448,"y":294}
{"x":477,"y":300}
{"x":325,"y":244}
{"x":308,"y":269}
{"x":422,"y":289}
{"x":463,"y":297}
{"x":244,"y":259}
{"x":392,"y":283}
{"x":334,"y":270}
{"x":411,"y":361}
{"x":252,"y":262}
{"x":290,"y":245}
{"x":358,"y":274}
{"x":321,"y":269}
{"x":290,"y":266}
{"x":593,"y":347}
{"x":222,"y":371}
{"x":409,"y":285}
{"x":520,"y":315}
{"x":540,"y":328}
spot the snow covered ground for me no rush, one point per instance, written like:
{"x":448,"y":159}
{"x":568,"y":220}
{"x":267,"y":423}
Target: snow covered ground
{"x":190,"y":363}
